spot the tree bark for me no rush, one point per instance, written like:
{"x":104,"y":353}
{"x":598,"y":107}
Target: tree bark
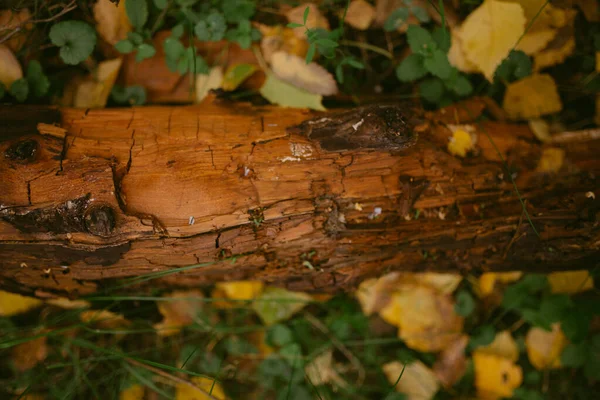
{"x":115,"y":193}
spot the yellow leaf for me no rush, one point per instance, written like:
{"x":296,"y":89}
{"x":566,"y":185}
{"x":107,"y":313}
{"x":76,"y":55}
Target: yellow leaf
{"x":179,"y":311}
{"x":104,"y":319}
{"x":544,"y":348}
{"x":373,"y":294}
{"x":418,"y":382}
{"x":28,"y":354}
{"x":426,"y":319}
{"x":490,"y":32}
{"x":278,"y":38}
{"x":204,"y":83}
{"x":12,"y":19}
{"x":551,"y":161}
{"x":461,"y":141}
{"x":239,"y":291}
{"x":532,"y":97}
{"x":452,"y":363}
{"x":554,"y":55}
{"x":13,"y":304}
{"x":456,"y":55}
{"x":360,"y":14}
{"x":540,"y":129}
{"x":443,"y":283}
{"x":282,"y":93}
{"x":94,"y":92}
{"x":236,"y":74}
{"x":277,"y":304}
{"x":188,"y":392}
{"x":112,"y":23}
{"x":503,"y":345}
{"x":10,"y":69}
{"x":311,"y":77}
{"x":315,"y":18}
{"x":133,"y":392}
{"x":488,"y":280}
{"x":533,"y":42}
{"x":590,"y":8}
{"x":570,"y":282}
{"x":495,"y":376}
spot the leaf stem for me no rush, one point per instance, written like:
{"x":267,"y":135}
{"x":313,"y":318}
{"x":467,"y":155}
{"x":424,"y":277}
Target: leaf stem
{"x":367,"y":46}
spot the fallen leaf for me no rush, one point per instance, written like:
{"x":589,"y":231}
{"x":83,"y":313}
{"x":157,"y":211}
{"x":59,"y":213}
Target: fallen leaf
{"x":544,"y":348}
{"x":531,"y":97}
{"x":570,"y":282}
{"x":488,"y":280}
{"x":14,"y":304}
{"x":311,"y":77}
{"x":133,"y":392}
{"x":178,"y":312}
{"x":551,"y":160}
{"x":236,"y":74}
{"x":112,"y":23}
{"x":495,"y":376}
{"x":452,"y":363}
{"x":67,"y":304}
{"x":12,"y":19}
{"x":462,"y":141}
{"x":187,"y":392}
{"x":10,"y":69}
{"x":489,"y":33}
{"x":426,"y":319}
{"x":370,"y":296}
{"x":28,"y":354}
{"x":315,"y":18}
{"x":104,"y":319}
{"x":94,"y":91}
{"x":277,"y":304}
{"x":533,"y":42}
{"x":418,"y":381}
{"x":503,"y":345}
{"x":590,"y":9}
{"x":557,"y":50}
{"x":282,"y":93}
{"x":205,"y":83}
{"x":279,"y":38}
{"x":541,"y":129}
{"x":456,"y":55}
{"x":240,"y":292}
{"x":320,"y":370}
{"x":360,"y":14}
{"x":444,"y":283}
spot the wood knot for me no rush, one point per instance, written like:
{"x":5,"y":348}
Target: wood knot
{"x":23,"y":151}
{"x":100,"y":220}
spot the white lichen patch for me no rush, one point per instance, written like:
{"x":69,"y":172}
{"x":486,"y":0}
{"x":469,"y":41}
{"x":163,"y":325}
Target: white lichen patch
{"x":299,"y":151}
{"x":359,"y":123}
{"x":376,"y":213}
{"x":318,"y":121}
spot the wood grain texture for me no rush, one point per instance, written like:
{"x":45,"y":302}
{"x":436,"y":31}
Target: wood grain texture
{"x":124,"y":192}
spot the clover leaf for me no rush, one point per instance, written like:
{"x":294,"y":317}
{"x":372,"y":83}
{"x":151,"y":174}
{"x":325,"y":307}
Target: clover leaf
{"x":212,"y":28}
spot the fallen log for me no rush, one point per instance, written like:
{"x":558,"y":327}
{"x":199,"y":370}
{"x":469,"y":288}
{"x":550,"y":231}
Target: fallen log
{"x":241,"y":192}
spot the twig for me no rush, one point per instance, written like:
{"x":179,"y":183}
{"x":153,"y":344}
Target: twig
{"x":514,"y":237}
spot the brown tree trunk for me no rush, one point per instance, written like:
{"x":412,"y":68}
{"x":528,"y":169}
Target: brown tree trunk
{"x":117,"y":193}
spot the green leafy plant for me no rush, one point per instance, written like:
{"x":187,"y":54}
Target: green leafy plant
{"x":76,"y":40}
{"x":321,"y":40}
{"x":429,"y":60}
{"x":131,"y":95}
{"x":399,"y":16}
{"x":34,"y":85}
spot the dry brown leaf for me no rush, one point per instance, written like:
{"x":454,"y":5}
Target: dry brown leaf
{"x":418,"y":381}
{"x":279,"y":38}
{"x":112,"y":23}
{"x":495,"y":376}
{"x":28,"y":354}
{"x":94,"y":92}
{"x":178,"y":312}
{"x":104,"y":319}
{"x":570,"y":282}
{"x":312,"y":77}
{"x":532,"y":97}
{"x":315,"y":18}
{"x":551,"y":161}
{"x":14,"y":304}
{"x":503,"y":345}
{"x":10,"y":69}
{"x":11,"y":19}
{"x":544,"y":348}
{"x":360,"y":14}
{"x":452,"y":363}
{"x":489,"y":33}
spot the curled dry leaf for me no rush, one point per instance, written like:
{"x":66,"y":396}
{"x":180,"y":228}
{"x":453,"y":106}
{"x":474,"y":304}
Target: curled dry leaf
{"x":28,"y":354}
{"x":544,"y":348}
{"x":452,"y":363}
{"x":418,"y":381}
{"x":360,"y":14}
{"x":312,"y":77}
{"x":570,"y":282}
{"x":10,"y":20}
{"x":489,"y":33}
{"x":180,"y":311}
{"x":10,"y":69}
{"x":315,"y":18}
{"x":495,"y":376}
{"x":551,"y":161}
{"x":112,"y":23}
{"x":531,"y":97}
{"x":279,"y":38}
{"x":14,"y":304}
{"x":94,"y":91}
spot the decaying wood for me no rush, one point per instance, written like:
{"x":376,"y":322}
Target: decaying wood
{"x":115,"y":193}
